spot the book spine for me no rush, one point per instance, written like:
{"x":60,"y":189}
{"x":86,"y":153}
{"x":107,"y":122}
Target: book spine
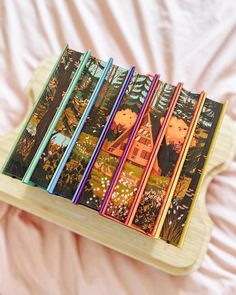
{"x":179,"y":165}
{"x":79,"y":128}
{"x":102,"y":137}
{"x":115,"y":142}
{"x":180,"y":231}
{"x":34,"y":108}
{"x":153,"y":155}
{"x":60,"y":109}
{"x":166,"y":192}
{"x":133,"y":134}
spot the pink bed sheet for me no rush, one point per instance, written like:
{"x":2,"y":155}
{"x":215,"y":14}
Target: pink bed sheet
{"x":190,"y":41}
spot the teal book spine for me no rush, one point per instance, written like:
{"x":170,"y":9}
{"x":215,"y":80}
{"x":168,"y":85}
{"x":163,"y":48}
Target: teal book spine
{"x":56,"y":117}
{"x":79,"y":128}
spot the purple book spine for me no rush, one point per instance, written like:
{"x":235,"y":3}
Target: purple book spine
{"x":102,"y":138}
{"x":129,"y":143}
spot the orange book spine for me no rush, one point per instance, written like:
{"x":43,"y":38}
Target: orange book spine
{"x":153,"y":155}
{"x":127,"y":149}
{"x":179,"y":165}
{"x":151,"y":230}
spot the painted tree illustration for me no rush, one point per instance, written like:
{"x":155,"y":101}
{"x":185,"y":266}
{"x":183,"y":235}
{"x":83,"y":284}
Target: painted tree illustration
{"x":106,"y":86}
{"x":139,"y":93}
{"x":68,"y":180}
{"x":119,"y":79}
{"x":116,"y":83}
{"x":164,"y":94}
{"x":174,"y":222}
{"x":82,"y":93}
{"x":181,"y":186}
{"x":99,"y":114}
{"x":207,"y":116}
{"x":185,"y":106}
{"x":195,"y":154}
{"x":130,"y":89}
{"x":93,"y":72}
{"x":49,"y":114}
{"x":192,"y":159}
{"x":95,"y":122}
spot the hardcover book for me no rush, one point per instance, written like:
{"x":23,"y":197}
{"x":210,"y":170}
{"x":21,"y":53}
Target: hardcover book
{"x":182,"y":203}
{"x":88,"y":139}
{"x":102,"y":138}
{"x":73,"y":114}
{"x":116,"y":140}
{"x":120,"y":200}
{"x":158,"y":186}
{"x":40,"y":118}
{"x":127,"y":145}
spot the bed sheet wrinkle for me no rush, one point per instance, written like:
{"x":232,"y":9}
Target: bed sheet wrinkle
{"x":189,"y":41}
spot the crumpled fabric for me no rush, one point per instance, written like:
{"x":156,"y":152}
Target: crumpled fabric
{"x":189,"y":41}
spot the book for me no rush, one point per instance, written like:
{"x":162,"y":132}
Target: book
{"x":102,"y":138}
{"x":53,"y":119}
{"x":158,"y":186}
{"x":116,"y":140}
{"x":149,"y":135}
{"x":134,"y":131}
{"x":189,"y":183}
{"x":189,"y":140}
{"x":78,"y":129}
{"x":38,"y":121}
{"x":92,"y":132}
{"x":72,"y":116}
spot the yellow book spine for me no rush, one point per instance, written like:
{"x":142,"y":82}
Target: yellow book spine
{"x":172,"y":190}
{"x":204,"y":170}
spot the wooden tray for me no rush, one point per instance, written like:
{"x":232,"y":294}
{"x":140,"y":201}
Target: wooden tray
{"x":88,"y":223}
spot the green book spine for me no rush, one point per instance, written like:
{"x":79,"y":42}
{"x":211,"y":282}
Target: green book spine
{"x":63,"y":104}
{"x":33,"y":110}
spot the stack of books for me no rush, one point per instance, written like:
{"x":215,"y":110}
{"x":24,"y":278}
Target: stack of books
{"x":127,"y":145}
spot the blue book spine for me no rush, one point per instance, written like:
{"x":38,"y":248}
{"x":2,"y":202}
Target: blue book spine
{"x":102,"y":137}
{"x":78,"y":130}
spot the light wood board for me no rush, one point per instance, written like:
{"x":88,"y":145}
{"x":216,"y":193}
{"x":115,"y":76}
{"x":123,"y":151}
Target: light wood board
{"x":88,"y":223}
